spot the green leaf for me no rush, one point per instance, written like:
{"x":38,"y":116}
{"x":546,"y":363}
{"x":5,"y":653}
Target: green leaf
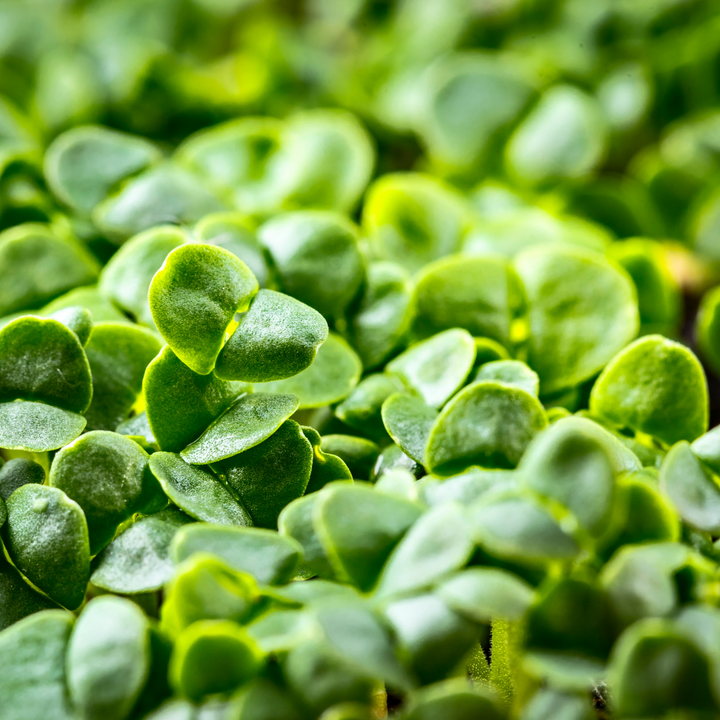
{"x":362,"y":408}
{"x":235,"y":232}
{"x":108,"y":658}
{"x":659,"y":297}
{"x":547,"y":704}
{"x":516,"y":528}
{"x":707,"y":448}
{"x":654,"y":386}
{"x":84,"y":164}
{"x":383,"y":313}
{"x":574,"y":468}
{"x":331,"y":377}
{"x":436,"y":368}
{"x":327,"y":160}
{"x":194,"y":297}
{"x":36,"y":266}
{"x":46,"y":537}
{"x":267,"y":477}
{"x":196,"y":491}
{"x":32,"y":668}
{"x":42,"y":360}
{"x":563,"y":137}
{"x":434,"y":637}
{"x":488,"y":424}
{"x":17,"y":472}
{"x":107,"y":475}
{"x":126,"y":278}
{"x":438,"y":544}
{"x":36,"y":427}
{"x":213,"y":657}
{"x":453,"y":699}
{"x":358,"y":529}
{"x":408,"y":421}
{"x":413,"y":219}
{"x":691,"y":488}
{"x":101,"y":309}
{"x":358,"y":454}
{"x":484,"y":594}
{"x":78,"y":319}
{"x":138,"y":559}
{"x":308,"y":245}
{"x":277,"y":338}
{"x":180,"y":404}
{"x":482,"y":295}
{"x":163,"y":194}
{"x":206,"y":588}
{"x":17,"y":598}
{"x":118,"y":355}
{"x":466,"y":487}
{"x":269,"y":557}
{"x":326,"y":467}
{"x":707,"y":329}
{"x":582,"y":310}
{"x":512,"y":372}
{"x":297,"y":522}
{"x":247,"y":423}
{"x":680,"y":678}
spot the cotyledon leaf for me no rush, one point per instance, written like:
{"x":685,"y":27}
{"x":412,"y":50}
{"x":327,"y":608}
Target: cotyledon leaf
{"x":196,"y":491}
{"x":252,"y":419}
{"x":46,"y":537}
{"x":37,"y":427}
{"x":408,"y":421}
{"x":194,"y":297}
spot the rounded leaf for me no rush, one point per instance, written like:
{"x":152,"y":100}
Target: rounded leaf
{"x":308,"y":245}
{"x":196,"y":491}
{"x":250,"y":421}
{"x":331,"y":377}
{"x":78,"y":319}
{"x":42,"y":360}
{"x":408,"y":421}
{"x":277,"y":338}
{"x":108,"y":658}
{"x":512,"y":372}
{"x":267,"y":477}
{"x":437,"y":367}
{"x":707,"y":329}
{"x":107,"y":475}
{"x":654,"y":386}
{"x":138,"y":559}
{"x":37,"y":427}
{"x":488,"y":424}
{"x":18,"y":472}
{"x":118,"y":354}
{"x":46,"y":537}
{"x":194,"y":297}
{"x":212,"y":657}
{"x":180,"y":404}
{"x":582,"y":310}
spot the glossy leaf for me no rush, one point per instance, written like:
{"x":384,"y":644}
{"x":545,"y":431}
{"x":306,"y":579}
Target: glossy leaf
{"x":32,"y":680}
{"x":78,"y":319}
{"x":358,"y":454}
{"x":482,"y":295}
{"x":194,"y":297}
{"x":17,"y":472}
{"x":326,"y":467}
{"x":512,"y":372}
{"x":310,"y":244}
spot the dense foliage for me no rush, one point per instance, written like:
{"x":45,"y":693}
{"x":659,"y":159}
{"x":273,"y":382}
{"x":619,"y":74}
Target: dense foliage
{"x":359,"y":359}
